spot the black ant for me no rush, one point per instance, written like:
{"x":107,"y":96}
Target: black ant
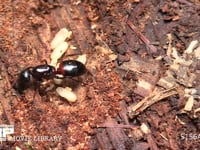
{"x":67,"y":68}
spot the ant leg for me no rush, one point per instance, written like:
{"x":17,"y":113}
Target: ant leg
{"x":76,"y":80}
{"x":45,"y":61}
{"x":35,"y":92}
{"x":30,"y":69}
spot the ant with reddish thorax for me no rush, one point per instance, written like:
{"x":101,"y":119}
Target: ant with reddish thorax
{"x":67,"y":68}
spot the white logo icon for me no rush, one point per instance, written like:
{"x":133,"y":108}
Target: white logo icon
{"x":5,"y":130}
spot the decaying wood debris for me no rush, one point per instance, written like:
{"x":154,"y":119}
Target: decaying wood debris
{"x":178,"y":76}
{"x":154,"y":97}
{"x":182,"y":73}
{"x":147,"y":72}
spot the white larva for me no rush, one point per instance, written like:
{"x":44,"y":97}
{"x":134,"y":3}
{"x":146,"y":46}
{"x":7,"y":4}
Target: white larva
{"x":66,"y":93}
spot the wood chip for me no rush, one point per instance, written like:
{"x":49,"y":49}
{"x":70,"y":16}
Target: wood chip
{"x":154,"y":97}
{"x":196,"y":111}
{"x":145,"y":128}
{"x":106,"y":51}
{"x":197,"y":52}
{"x":189,"y":104}
{"x":191,"y":47}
